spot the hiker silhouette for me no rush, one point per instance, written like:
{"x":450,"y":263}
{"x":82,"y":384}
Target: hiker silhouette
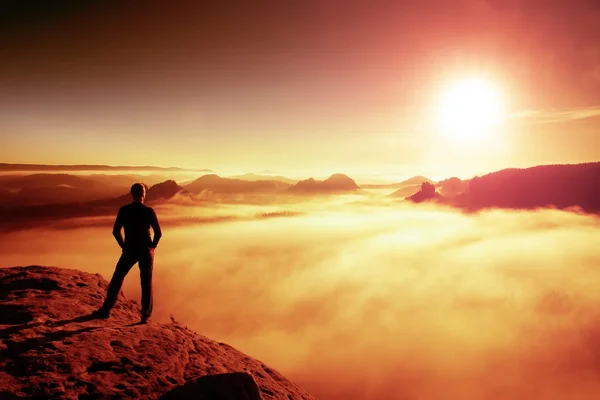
{"x":138,"y":247}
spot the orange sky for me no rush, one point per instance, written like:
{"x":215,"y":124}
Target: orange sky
{"x":344,"y":86}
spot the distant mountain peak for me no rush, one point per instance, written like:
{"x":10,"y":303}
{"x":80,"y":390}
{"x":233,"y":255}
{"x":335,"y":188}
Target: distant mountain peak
{"x":209,"y":177}
{"x":337,"y":176}
{"x":335,"y":183}
{"x":426,"y":193}
{"x":164,"y":190}
{"x":217,"y":184}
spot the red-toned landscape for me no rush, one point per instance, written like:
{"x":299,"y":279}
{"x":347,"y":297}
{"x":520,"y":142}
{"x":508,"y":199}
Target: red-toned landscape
{"x":338,"y":199}
{"x":312,"y":281}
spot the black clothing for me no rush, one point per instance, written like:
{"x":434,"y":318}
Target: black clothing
{"x":137,"y":218}
{"x":145,"y":260}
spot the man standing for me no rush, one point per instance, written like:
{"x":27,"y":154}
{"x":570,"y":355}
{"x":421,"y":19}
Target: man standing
{"x":138,"y":247}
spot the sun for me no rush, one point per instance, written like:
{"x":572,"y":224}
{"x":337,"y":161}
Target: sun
{"x":470,"y":110}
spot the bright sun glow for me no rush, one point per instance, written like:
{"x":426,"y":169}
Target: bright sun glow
{"x":470,"y":110}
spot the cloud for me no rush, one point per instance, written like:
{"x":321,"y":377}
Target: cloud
{"x":557,"y":116}
{"x":371,"y":301}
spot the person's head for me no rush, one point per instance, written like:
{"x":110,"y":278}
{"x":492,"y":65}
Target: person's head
{"x":138,"y":192}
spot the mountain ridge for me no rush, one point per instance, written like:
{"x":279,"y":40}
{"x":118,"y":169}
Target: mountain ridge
{"x":218,"y":184}
{"x":6,"y":167}
{"x":336,"y":183}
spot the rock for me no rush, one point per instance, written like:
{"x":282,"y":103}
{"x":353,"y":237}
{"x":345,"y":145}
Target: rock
{"x":51,"y":348}
{"x":453,"y":187}
{"x":232,"y":386}
{"x":426,"y":193}
{"x":163,"y":191}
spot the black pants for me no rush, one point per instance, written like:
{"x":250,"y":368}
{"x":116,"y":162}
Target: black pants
{"x":145,"y":260}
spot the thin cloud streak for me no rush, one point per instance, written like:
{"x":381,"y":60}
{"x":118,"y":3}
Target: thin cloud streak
{"x":558,"y":116}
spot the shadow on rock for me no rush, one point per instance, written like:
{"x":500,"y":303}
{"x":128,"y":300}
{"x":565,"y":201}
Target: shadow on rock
{"x":82,"y":318}
{"x":36,"y":343}
{"x":6,"y":332}
{"x":15,"y":314}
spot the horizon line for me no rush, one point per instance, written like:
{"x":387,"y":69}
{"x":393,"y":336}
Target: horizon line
{"x":28,"y":166}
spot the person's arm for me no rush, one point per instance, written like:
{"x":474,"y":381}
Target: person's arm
{"x":117,"y":229}
{"x":156,"y":228}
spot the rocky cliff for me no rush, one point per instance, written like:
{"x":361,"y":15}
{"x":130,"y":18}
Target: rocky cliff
{"x":51,"y":348}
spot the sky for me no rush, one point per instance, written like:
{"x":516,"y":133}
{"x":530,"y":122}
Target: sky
{"x":313,"y":86}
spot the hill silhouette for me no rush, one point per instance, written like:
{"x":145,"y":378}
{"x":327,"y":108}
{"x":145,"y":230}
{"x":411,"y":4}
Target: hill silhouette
{"x":161,"y":191}
{"x":452,"y":187}
{"x":426,"y":193}
{"x":14,"y":216}
{"x":164,"y":191}
{"x":416,"y":180}
{"x":55,"y":188}
{"x":51,"y":348}
{"x":217,"y":184}
{"x":336,"y":183}
{"x":44,"y":197}
{"x":560,"y":186}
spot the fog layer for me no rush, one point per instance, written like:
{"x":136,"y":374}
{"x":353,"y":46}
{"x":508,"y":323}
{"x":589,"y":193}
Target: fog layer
{"x":373,"y":302}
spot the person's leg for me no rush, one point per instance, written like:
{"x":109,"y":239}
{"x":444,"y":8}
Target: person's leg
{"x":124,"y":265}
{"x":146,"y":264}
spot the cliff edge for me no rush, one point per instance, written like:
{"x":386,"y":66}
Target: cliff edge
{"x":51,"y":348}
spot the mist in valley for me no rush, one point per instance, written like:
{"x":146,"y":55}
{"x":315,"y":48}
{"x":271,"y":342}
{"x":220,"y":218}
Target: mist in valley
{"x":352,"y":297}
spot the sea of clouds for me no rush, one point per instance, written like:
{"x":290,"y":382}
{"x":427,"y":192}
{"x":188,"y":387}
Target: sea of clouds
{"x":357,"y":299}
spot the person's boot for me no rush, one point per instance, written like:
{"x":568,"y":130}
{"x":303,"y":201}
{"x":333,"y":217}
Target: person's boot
{"x":145,"y":319}
{"x":102,"y":313}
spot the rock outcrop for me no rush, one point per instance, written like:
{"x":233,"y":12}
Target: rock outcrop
{"x":156,"y":193}
{"x":426,"y":193}
{"x":164,"y":191}
{"x":452,"y":187}
{"x":51,"y":348}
